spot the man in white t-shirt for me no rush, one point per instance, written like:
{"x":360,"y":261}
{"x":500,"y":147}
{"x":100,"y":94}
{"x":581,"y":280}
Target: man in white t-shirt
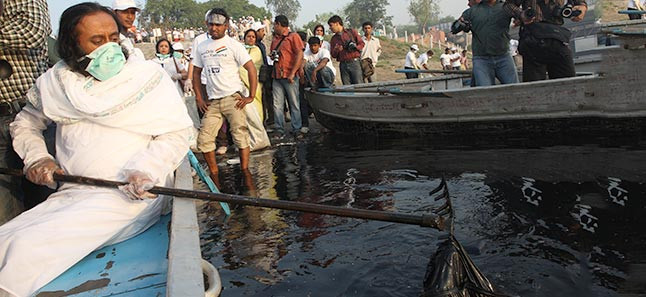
{"x":455,"y":59}
{"x":319,"y":71}
{"x":411,"y":62}
{"x":422,"y":61}
{"x":445,"y":58}
{"x":220,"y":57}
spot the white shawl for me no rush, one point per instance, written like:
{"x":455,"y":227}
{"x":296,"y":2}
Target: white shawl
{"x":142,"y":87}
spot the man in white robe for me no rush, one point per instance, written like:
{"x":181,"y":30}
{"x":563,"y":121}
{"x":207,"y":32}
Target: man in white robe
{"x":129,"y":126}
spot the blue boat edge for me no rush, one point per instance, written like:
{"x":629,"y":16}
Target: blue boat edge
{"x":165,"y":260}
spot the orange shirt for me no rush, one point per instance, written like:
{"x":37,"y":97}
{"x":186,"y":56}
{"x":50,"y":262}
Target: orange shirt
{"x":288,"y":50}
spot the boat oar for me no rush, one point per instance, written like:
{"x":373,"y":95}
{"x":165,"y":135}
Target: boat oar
{"x":206,"y":179}
{"x":433,"y":71}
{"x":427,"y":220}
{"x":394,"y":91}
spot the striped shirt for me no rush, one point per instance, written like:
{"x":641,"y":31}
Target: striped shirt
{"x":23,"y":43}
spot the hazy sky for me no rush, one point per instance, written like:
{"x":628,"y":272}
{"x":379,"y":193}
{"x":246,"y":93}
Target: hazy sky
{"x":309,"y":8}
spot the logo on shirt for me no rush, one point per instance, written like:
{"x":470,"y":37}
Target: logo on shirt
{"x":221,"y":49}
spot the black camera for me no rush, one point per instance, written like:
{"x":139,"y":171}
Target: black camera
{"x":351,"y":46}
{"x":274,"y":55}
{"x":566,"y":11}
{"x":460,"y":25}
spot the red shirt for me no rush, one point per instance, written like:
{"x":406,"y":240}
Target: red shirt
{"x":288,"y":49}
{"x":344,"y":55}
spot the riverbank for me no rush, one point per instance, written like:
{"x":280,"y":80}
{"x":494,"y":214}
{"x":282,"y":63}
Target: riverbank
{"x":392,"y":58}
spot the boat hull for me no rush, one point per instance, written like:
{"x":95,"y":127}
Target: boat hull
{"x":613,"y":101}
{"x":525,"y":128}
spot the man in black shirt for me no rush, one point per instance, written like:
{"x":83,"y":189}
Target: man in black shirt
{"x":544,"y":42}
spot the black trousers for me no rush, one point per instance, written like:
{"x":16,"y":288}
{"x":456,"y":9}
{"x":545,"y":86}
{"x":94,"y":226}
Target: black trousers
{"x":268,"y":103}
{"x":546,"y":57}
{"x":411,"y":75}
{"x":634,"y":16}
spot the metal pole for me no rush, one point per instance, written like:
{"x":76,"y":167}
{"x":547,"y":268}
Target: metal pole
{"x":429,"y":220}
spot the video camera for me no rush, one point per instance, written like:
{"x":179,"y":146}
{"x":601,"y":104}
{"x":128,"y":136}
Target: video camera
{"x":567,"y":11}
{"x":460,"y":25}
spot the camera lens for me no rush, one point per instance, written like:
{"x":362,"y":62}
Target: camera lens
{"x":567,"y":12}
{"x":5,"y":69}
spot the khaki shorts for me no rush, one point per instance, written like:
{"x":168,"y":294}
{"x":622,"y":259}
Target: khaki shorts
{"x":213,"y":119}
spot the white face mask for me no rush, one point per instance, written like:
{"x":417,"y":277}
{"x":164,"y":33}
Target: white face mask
{"x":106,"y":61}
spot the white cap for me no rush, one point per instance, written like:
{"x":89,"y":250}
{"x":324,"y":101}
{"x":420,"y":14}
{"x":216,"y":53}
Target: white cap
{"x":454,"y":49}
{"x":415,"y":47}
{"x":178,"y":46}
{"x":124,"y":4}
{"x":257,"y":26}
{"x":206,"y":15}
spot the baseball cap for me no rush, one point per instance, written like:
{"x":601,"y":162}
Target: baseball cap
{"x":178,"y":46}
{"x":415,"y":47}
{"x":257,"y":26}
{"x":124,"y":4}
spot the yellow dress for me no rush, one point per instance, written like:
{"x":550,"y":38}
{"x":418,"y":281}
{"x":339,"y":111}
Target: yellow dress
{"x":256,"y":57}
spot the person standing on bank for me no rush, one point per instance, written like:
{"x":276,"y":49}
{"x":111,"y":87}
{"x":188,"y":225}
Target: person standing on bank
{"x":287,"y":54}
{"x":171,"y":62}
{"x":220,"y":57}
{"x":23,"y":57}
{"x":126,"y":11}
{"x":422,"y":60}
{"x":346,"y":48}
{"x":319,"y":31}
{"x":544,"y":42}
{"x":267,"y":97}
{"x":411,"y":62}
{"x":371,"y":51}
{"x":489,"y":23}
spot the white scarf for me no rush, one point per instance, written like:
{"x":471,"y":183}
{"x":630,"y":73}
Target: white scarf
{"x":142,"y":87}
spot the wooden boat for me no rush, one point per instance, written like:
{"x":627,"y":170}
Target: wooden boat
{"x":165,"y":260}
{"x":610,"y":101}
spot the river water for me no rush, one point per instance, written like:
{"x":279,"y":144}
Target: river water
{"x":537,"y":219}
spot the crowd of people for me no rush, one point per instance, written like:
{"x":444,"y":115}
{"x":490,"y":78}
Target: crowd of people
{"x":105,"y":99}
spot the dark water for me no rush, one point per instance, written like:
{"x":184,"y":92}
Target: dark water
{"x":537,"y":220}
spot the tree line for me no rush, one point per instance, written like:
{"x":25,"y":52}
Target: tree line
{"x":190,"y":13}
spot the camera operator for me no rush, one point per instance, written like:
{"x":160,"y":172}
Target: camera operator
{"x":544,"y":42}
{"x":490,"y":25}
{"x":346,"y":48}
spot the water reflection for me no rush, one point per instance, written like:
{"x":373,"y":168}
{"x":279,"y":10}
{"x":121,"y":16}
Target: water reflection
{"x":557,"y":220}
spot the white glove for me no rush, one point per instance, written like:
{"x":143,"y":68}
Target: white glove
{"x":138,"y":185}
{"x":176,"y":76}
{"x":42,"y":171}
{"x":188,"y":86}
